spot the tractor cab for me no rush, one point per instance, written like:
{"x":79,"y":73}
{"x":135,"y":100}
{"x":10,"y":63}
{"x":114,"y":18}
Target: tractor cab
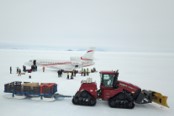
{"x":109,"y":84}
{"x":109,"y":79}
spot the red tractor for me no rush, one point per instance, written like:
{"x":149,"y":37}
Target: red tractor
{"x":119,"y":94}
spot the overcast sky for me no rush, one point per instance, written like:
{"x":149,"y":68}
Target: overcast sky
{"x":120,"y":25}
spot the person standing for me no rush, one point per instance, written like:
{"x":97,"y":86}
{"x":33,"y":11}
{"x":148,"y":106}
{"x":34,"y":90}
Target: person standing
{"x":72,"y":74}
{"x":19,"y":72}
{"x":59,"y":73}
{"x":87,"y":72}
{"x":75,"y":72}
{"x":43,"y":68}
{"x":24,"y":68}
{"x":10,"y":70}
{"x":67,"y":75}
{"x":81,"y":72}
{"x":84,"y":71}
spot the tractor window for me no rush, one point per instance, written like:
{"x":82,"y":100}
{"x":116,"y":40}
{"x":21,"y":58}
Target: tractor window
{"x":107,"y":80}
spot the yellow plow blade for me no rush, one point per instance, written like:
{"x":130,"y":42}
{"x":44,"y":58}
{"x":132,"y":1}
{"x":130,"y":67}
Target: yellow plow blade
{"x":159,"y":99}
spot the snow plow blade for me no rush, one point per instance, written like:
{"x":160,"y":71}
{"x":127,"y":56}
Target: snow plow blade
{"x":159,"y":99}
{"x":146,"y":96}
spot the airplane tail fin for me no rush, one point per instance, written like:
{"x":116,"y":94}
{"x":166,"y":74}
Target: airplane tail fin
{"x":89,"y":55}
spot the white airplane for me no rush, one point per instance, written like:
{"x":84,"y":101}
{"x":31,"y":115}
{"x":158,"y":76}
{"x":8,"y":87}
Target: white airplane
{"x":75,"y":62}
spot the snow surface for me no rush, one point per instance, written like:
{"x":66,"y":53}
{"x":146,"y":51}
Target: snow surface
{"x":151,"y":71}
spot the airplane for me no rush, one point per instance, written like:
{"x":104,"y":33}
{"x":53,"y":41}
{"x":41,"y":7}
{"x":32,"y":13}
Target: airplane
{"x":75,"y":62}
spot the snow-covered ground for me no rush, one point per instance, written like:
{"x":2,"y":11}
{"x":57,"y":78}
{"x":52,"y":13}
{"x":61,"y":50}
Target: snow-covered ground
{"x":151,"y":71}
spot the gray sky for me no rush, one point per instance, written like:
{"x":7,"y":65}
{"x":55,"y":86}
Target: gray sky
{"x":120,"y":25}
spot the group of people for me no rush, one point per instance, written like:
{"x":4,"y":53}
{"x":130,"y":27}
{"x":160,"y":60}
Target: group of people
{"x":85,"y":72}
{"x":70,"y":74}
{"x":19,"y":71}
{"x":60,"y":72}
